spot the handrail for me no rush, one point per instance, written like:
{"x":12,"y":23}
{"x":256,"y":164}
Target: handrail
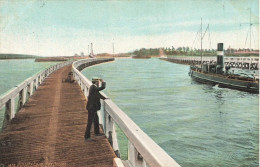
{"x":142,"y":150}
{"x":7,"y":99}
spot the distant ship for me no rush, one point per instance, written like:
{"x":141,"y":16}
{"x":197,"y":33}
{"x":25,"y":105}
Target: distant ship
{"x":214,"y":74}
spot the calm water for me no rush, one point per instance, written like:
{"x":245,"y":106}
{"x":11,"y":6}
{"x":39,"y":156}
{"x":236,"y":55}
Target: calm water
{"x":196,"y":124}
{"x":13,"y":72}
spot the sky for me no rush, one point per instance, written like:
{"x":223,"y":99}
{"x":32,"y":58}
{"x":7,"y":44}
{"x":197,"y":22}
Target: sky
{"x":63,"y":28}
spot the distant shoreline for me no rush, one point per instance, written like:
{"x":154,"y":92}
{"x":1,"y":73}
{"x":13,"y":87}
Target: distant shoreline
{"x":5,"y":56}
{"x":16,"y":58}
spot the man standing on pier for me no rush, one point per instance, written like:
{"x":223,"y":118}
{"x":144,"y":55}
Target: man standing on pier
{"x":93,"y":105}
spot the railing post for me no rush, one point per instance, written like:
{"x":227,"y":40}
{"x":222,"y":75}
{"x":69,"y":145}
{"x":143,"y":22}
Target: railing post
{"x":31,"y":88}
{"x":107,"y":126}
{"x":85,"y":91}
{"x":39,"y":80}
{"x":80,"y":83}
{"x":10,"y":109}
{"x":115,"y":142}
{"x":36,"y":82}
{"x":42,"y":77}
{"x":24,"y":94}
{"x":110,"y":131}
{"x":45,"y":73}
{"x":135,"y":157}
{"x":82,"y":86}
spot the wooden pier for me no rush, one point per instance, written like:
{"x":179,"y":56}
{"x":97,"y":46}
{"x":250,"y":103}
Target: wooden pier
{"x":50,"y":128}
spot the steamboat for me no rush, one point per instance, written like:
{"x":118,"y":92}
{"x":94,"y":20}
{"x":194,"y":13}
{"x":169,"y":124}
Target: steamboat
{"x":215,"y":74}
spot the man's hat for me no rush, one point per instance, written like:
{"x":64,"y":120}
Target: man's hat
{"x":95,"y":79}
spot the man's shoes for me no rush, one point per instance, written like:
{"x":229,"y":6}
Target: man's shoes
{"x":89,"y":139}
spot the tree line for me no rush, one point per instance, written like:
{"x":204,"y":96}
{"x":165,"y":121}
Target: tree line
{"x":143,"y":52}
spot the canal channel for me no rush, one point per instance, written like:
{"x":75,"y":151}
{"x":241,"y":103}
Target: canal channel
{"x":196,"y":124}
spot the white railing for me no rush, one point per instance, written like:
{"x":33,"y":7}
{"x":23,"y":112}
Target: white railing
{"x":142,"y":150}
{"x":23,"y":91}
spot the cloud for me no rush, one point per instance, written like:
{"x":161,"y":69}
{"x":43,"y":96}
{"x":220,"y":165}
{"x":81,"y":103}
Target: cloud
{"x":78,"y":42}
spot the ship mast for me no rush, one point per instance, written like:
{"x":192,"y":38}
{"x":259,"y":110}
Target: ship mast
{"x":113,"y":49}
{"x":201,"y":43}
{"x":201,"y":38}
{"x":249,"y":31}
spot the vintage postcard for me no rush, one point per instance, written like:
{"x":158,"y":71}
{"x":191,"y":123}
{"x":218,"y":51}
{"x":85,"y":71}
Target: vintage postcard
{"x":129,"y":83}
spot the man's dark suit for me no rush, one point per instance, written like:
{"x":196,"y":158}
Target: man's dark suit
{"x":93,"y":106}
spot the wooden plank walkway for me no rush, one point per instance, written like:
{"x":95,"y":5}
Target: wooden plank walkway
{"x":50,"y":129}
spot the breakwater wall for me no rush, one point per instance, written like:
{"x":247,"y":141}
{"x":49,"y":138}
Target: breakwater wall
{"x":251,"y":63}
{"x":142,"y":150}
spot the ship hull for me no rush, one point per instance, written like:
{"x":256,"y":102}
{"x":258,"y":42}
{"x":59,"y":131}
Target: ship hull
{"x":224,"y":81}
